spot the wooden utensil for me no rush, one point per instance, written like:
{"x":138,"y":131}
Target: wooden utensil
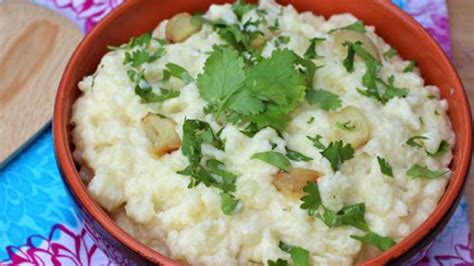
{"x":35,"y":45}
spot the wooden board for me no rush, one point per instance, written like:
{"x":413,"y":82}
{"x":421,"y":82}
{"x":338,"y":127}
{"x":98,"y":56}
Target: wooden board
{"x":35,"y":45}
{"x":462,"y":33}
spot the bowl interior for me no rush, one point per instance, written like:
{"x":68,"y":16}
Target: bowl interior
{"x":397,"y":28}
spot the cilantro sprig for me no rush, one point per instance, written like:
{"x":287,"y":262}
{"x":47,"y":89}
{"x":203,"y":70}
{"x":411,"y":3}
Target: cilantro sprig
{"x":356,"y":26}
{"x":274,"y":158}
{"x":415,"y":141}
{"x":264,"y":93}
{"x":297,"y":156}
{"x":419,"y":171}
{"x":299,"y":256}
{"x":311,"y":52}
{"x":336,"y":152}
{"x":138,"y":52}
{"x":443,"y":148}
{"x":375,"y":86}
{"x":212,"y":172}
{"x":371,"y":238}
{"x":385,"y":167}
{"x":352,"y":215}
{"x":325,"y":100}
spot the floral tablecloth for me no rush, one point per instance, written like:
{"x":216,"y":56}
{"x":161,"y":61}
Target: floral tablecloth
{"x":38,"y":223}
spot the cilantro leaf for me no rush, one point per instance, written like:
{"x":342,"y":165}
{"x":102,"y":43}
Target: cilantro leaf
{"x":391,"y":91}
{"x":240,"y":8}
{"x":282,"y":39}
{"x":336,"y":153}
{"x":222,"y":76}
{"x":390,"y":53}
{"x":279,"y":262}
{"x":312,"y":199}
{"x":296,"y":156}
{"x":136,"y":58}
{"x":299,"y":256}
{"x":385,"y":167}
{"x":229,"y":203}
{"x":413,"y":141}
{"x":145,"y":91}
{"x":274,"y":158}
{"x":276,"y":80}
{"x":244,"y":102}
{"x":352,"y":215}
{"x":195,"y":133}
{"x":324,"y":99}
{"x":370,"y":78}
{"x":178,"y":72}
{"x":226,"y":180}
{"x":356,"y":26}
{"x":346,"y":125}
{"x":371,"y":238}
{"x":311,"y":51}
{"x":317,"y":142}
{"x":348,"y":62}
{"x":410,"y":66}
{"x":418,"y":171}
{"x":442,"y":149}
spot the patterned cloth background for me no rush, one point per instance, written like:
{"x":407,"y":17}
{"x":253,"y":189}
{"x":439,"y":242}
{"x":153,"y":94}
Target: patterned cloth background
{"x":38,"y":224}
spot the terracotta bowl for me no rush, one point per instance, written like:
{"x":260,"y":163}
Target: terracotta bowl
{"x":139,"y":16}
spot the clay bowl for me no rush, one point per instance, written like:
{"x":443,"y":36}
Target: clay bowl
{"x":136,"y":17}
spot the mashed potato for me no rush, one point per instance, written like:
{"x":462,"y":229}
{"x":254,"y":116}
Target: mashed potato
{"x":148,"y":198}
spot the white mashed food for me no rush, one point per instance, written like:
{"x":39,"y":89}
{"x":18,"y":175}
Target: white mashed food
{"x":148,"y":198}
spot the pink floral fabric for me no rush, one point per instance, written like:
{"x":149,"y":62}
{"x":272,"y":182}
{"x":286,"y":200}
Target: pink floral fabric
{"x":63,"y":246}
{"x":81,"y":246}
{"x":86,"y":13}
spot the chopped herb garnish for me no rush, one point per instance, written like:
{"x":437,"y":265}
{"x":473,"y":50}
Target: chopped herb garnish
{"x":299,"y":256}
{"x":174,"y":70}
{"x":370,"y":79}
{"x":418,"y":171}
{"x":310,"y":120}
{"x":431,"y":97}
{"x":356,"y":26}
{"x":385,"y":167}
{"x":311,"y":51}
{"x":317,"y":142}
{"x":264,"y":93}
{"x":279,"y":262}
{"x":336,"y":152}
{"x":212,"y":172}
{"x":371,"y":238}
{"x":312,"y":199}
{"x":324,"y":99}
{"x":352,"y":215}
{"x":442,"y":149}
{"x":273,"y":144}
{"x":348,"y":126}
{"x":274,"y":158}
{"x":240,"y":8}
{"x":413,"y":141}
{"x":195,"y":133}
{"x":282,"y":39}
{"x":296,"y":156}
{"x":436,"y":112}
{"x":228,"y":203}
{"x":137,"y":53}
{"x":390,"y":53}
{"x":410,"y":66}
{"x":348,"y":62}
